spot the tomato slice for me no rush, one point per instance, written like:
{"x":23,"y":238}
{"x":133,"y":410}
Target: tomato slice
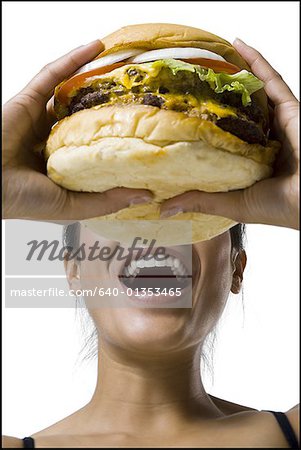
{"x":214,"y":64}
{"x":75,"y":82}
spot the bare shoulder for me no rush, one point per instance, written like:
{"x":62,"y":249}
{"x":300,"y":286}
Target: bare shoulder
{"x":271,"y":425}
{"x":253,"y":422}
{"x":11,"y":442}
{"x":293,"y":416}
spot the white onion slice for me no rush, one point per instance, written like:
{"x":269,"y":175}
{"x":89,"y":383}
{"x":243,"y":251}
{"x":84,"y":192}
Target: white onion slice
{"x":176,"y":53}
{"x":109,"y":59}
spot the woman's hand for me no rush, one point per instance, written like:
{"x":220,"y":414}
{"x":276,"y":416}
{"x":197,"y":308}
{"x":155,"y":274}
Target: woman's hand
{"x":27,"y":119}
{"x":274,"y":201}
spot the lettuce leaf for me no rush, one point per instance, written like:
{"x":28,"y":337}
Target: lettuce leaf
{"x":174,"y":65}
{"x":243,"y":82}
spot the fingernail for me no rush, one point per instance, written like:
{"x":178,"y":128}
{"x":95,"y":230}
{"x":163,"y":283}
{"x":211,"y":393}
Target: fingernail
{"x":142,"y":199}
{"x":171,"y":212}
{"x":91,"y":43}
{"x":239,"y":41}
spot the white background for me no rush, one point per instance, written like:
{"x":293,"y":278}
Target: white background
{"x":256,"y":354}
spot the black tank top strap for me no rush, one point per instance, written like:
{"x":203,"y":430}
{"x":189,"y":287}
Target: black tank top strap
{"x":28,"y":442}
{"x":286,"y":428}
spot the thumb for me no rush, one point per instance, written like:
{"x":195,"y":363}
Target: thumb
{"x":226,"y":204}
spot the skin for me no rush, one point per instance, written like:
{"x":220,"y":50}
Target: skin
{"x":149,"y":366}
{"x":149,"y":376}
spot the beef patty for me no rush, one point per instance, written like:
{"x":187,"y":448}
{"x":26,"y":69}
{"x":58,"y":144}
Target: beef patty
{"x":248,"y":125}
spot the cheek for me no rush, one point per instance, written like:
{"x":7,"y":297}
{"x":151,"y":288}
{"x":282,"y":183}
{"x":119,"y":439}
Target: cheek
{"x":214,"y":285}
{"x":217,"y":277}
{"x":95,"y":277}
{"x":94,"y":268}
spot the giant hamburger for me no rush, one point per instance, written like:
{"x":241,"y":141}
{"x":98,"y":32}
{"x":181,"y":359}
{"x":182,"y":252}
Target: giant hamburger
{"x":164,"y":107}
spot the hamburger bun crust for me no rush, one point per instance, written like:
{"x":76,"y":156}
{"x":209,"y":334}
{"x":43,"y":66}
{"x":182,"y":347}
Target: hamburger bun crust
{"x":139,"y":146}
{"x":151,"y":36}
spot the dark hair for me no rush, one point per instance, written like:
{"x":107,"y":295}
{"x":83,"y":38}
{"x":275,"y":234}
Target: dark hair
{"x":238,"y":235}
{"x":71,"y":234}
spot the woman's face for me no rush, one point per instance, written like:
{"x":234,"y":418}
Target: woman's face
{"x":216,"y":270}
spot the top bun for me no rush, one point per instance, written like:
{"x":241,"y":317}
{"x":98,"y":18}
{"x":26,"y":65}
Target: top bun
{"x":151,"y":36}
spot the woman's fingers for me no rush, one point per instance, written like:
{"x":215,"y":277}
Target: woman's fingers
{"x":276,"y":89}
{"x":70,"y":205}
{"x":82,"y":205}
{"x":43,"y":84}
{"x":226,"y":204}
{"x":270,"y":201}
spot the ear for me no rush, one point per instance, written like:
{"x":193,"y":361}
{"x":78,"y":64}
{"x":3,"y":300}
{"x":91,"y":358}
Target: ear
{"x":239,"y":263}
{"x":72,"y":270}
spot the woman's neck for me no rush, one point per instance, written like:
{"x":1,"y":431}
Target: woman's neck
{"x":141,"y":390}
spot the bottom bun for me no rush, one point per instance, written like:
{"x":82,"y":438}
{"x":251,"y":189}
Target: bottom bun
{"x":165,"y":170}
{"x":182,"y":229}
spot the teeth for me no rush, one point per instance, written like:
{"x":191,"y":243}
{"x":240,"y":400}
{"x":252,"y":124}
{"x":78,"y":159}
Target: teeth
{"x":176,"y":263}
{"x":169,"y":261}
{"x":160,"y":263}
{"x":131,"y":270}
{"x":172,"y":262}
{"x":141,"y":263}
{"x":149,"y":263}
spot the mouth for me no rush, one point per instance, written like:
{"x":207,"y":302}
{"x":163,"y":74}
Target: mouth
{"x":152,"y":273}
{"x":154,"y":279}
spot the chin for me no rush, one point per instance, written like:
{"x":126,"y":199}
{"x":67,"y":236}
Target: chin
{"x":154,"y":331}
